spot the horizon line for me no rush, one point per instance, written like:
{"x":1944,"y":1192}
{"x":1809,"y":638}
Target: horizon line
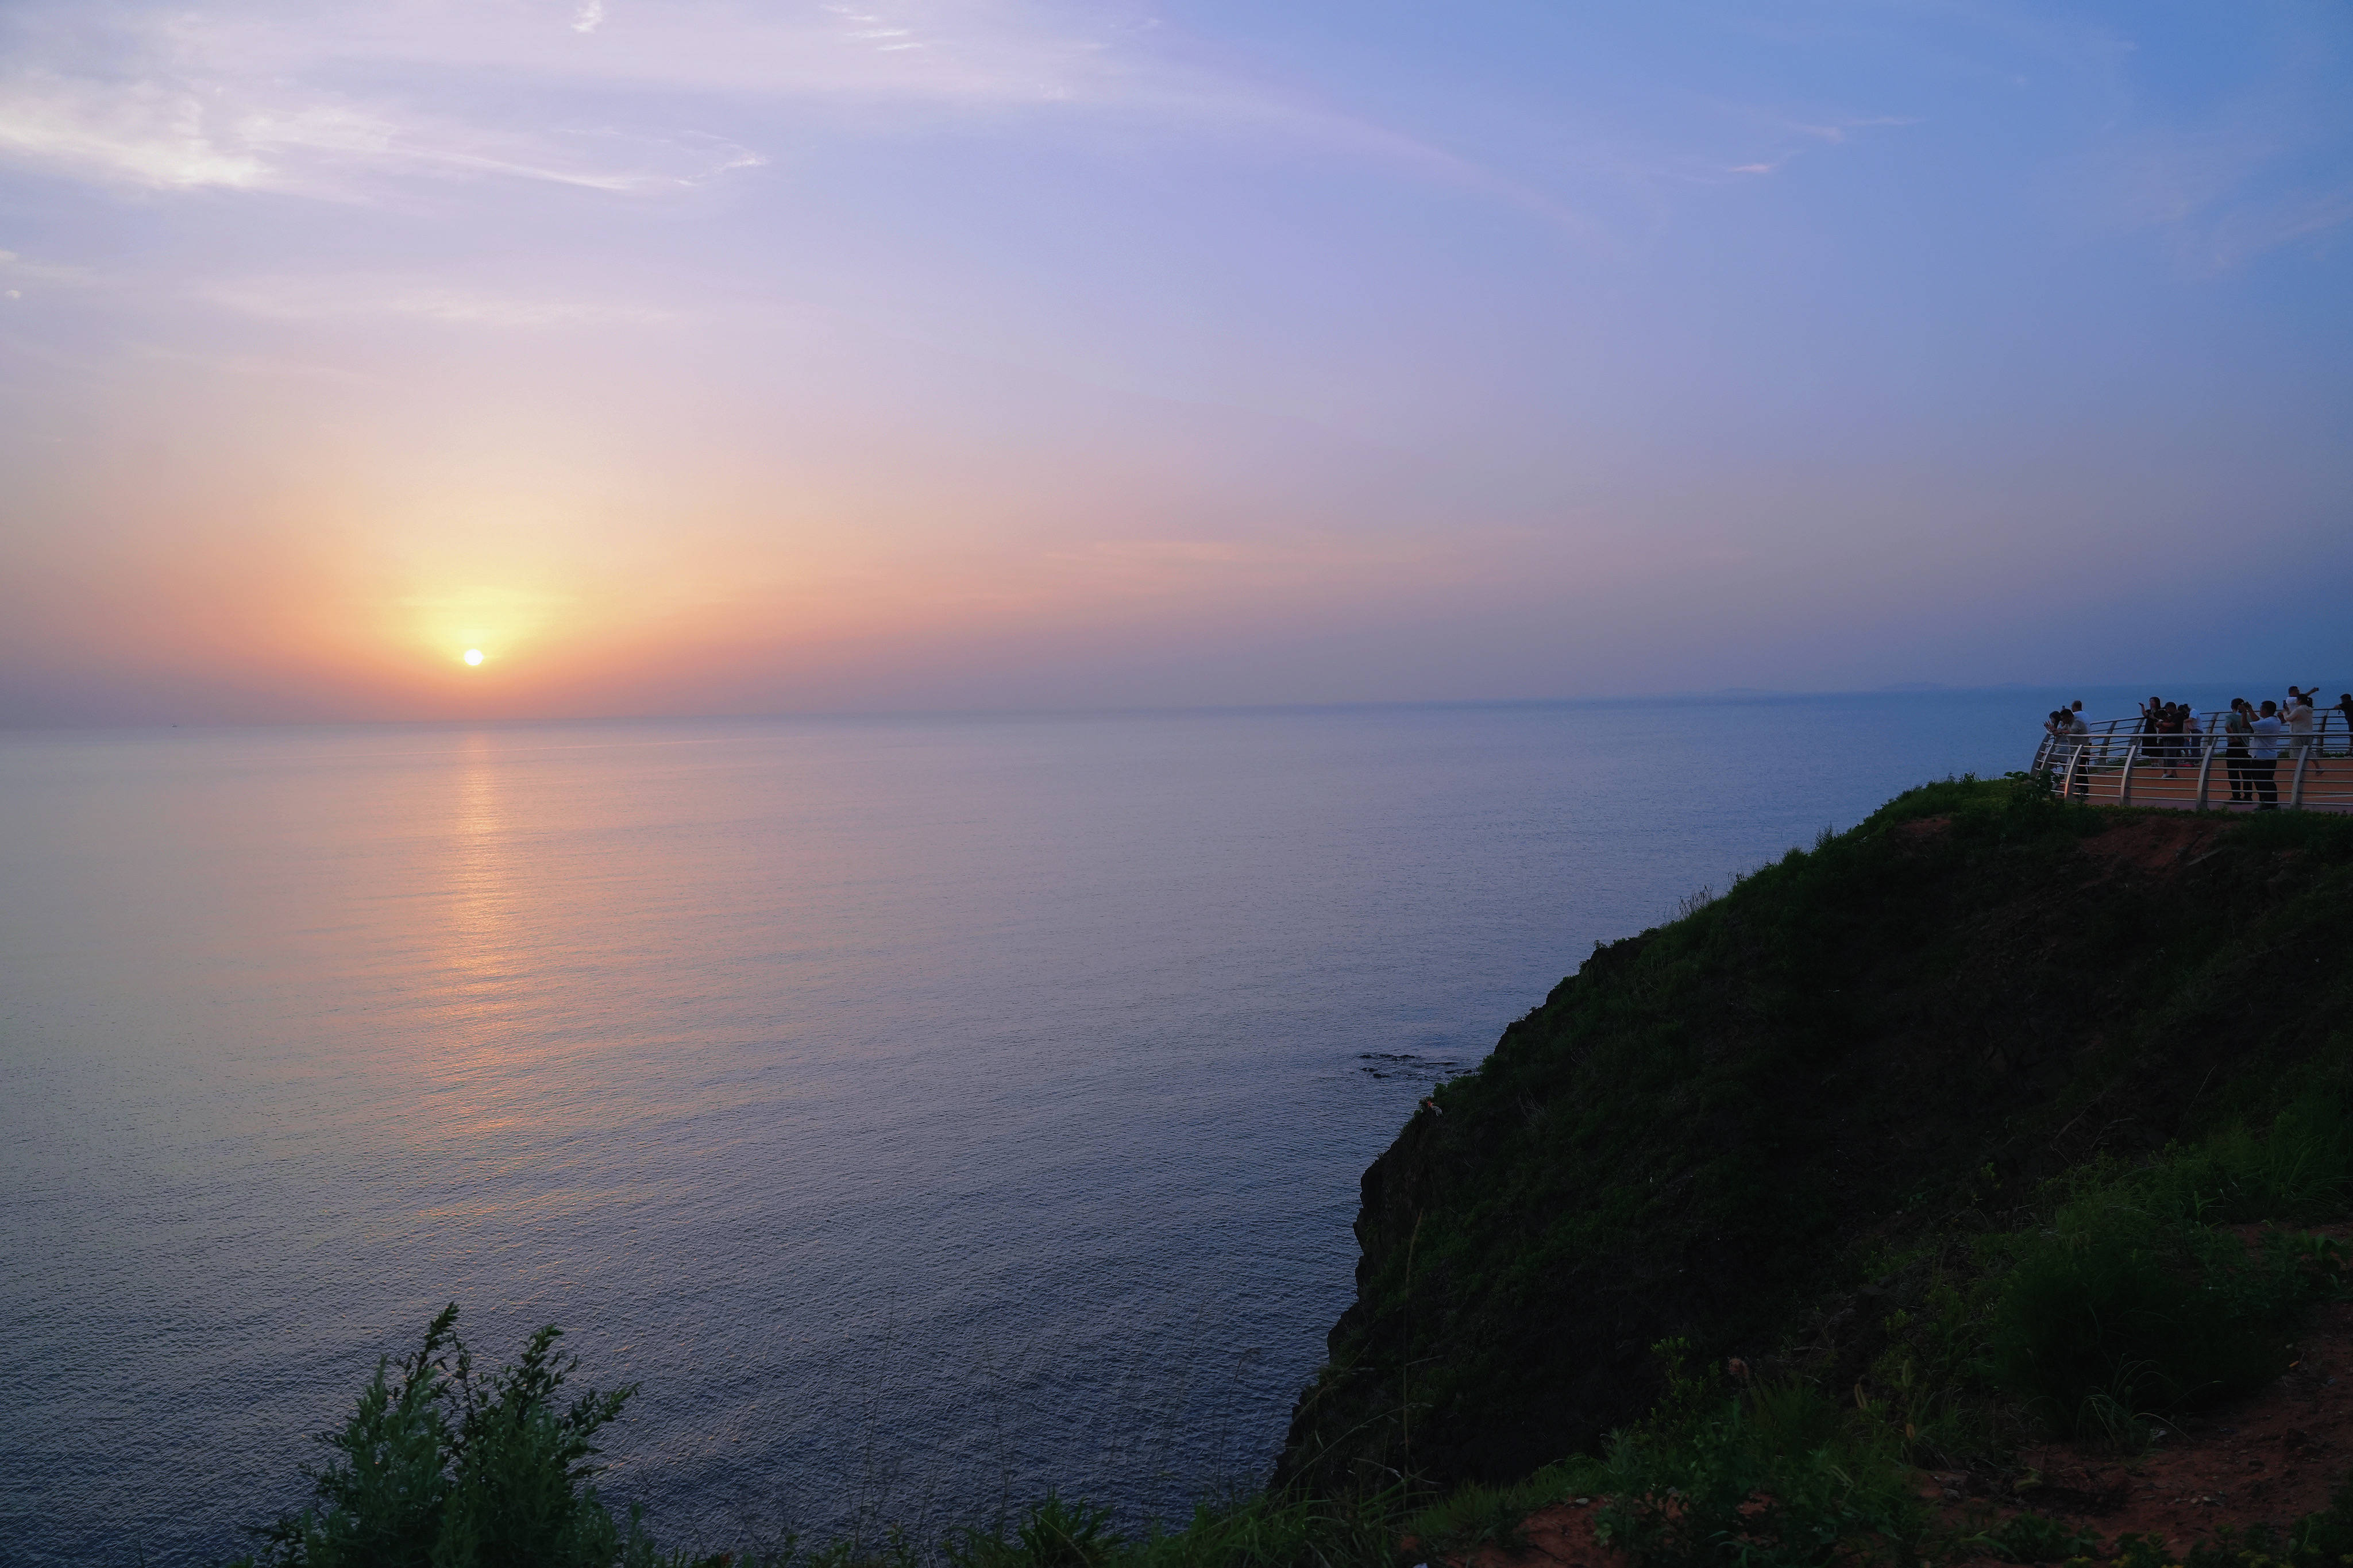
{"x":1728,"y":694}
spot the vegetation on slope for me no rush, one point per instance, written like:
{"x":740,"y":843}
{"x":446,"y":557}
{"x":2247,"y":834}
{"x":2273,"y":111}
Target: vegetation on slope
{"x":1776,"y":1110}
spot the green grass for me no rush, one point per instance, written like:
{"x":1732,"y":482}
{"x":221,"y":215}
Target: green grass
{"x":2128,"y":1305}
{"x":1774,"y":1475}
{"x":1895,"y":1036}
{"x":1473,"y":1516}
{"x":1048,"y":1534}
{"x":2032,"y":1537}
{"x":2121,"y":1298}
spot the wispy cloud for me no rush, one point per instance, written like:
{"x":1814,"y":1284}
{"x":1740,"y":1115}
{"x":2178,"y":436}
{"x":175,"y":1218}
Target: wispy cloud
{"x":360,"y":296}
{"x":140,"y":132}
{"x":22,"y":271}
{"x":1794,"y":139}
{"x":230,"y":98}
{"x":184,"y":135}
{"x":2224,"y":195}
{"x":167,"y":100}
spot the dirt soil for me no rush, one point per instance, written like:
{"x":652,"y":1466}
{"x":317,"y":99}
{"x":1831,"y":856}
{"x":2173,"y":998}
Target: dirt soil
{"x":2268,"y":1459}
{"x":2155,"y":843}
{"x":2158,"y":844}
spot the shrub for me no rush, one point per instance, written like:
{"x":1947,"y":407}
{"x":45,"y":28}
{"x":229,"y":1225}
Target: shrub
{"x":1777,"y":1478}
{"x":2116,"y":1312}
{"x":2301,"y":1169}
{"x":442,"y":1466}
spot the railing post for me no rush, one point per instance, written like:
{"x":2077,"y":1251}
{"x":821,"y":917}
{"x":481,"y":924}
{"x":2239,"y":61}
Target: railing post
{"x":2074,"y":760}
{"x":2295,"y":792}
{"x":2124,"y":780}
{"x":2205,"y":767}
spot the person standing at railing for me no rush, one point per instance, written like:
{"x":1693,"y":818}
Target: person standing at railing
{"x":2169,"y":736}
{"x":2060,"y":746}
{"x":2263,"y":754}
{"x":2300,"y":728}
{"x":2236,"y":731}
{"x":2345,"y":706}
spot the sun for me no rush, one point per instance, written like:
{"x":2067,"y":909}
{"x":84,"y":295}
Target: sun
{"x":473,"y":655}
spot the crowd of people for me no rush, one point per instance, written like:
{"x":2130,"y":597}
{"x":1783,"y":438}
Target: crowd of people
{"x":2254,"y":740}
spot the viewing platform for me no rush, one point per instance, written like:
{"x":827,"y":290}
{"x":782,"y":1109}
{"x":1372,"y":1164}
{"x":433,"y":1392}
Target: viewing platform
{"x":2118,"y":762}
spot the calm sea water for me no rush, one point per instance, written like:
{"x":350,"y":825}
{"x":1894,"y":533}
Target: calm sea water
{"x":924,"y":1111}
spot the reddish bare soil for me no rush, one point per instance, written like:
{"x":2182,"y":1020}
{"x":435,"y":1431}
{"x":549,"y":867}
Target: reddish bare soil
{"x":2155,"y":843}
{"x":1561,"y":1534}
{"x":2268,"y":1459}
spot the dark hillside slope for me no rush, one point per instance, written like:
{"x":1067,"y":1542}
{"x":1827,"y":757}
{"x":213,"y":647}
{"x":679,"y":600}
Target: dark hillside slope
{"x":1696,"y":1133}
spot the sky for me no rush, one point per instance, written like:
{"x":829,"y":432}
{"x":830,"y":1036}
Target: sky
{"x":716,"y":357}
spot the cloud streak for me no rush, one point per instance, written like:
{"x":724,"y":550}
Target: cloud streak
{"x":363,"y":95}
{"x":186,"y":134}
{"x":364,"y":296}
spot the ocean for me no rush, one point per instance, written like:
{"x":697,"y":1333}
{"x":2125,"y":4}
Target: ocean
{"x":924,"y":1111}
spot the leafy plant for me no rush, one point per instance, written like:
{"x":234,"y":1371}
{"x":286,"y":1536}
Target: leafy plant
{"x":444,"y":1467}
{"x":2121,"y":1309}
{"x":1776,"y":1478}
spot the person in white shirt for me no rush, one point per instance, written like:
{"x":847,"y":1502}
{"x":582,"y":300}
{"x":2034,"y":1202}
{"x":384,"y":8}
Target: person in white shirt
{"x":2263,"y":757}
{"x":2054,"y":745}
{"x":2299,"y":727}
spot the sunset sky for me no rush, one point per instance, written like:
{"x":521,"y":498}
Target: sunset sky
{"x":704,"y":357}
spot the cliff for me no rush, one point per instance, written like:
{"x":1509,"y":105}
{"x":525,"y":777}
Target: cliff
{"x":1713,"y":1130}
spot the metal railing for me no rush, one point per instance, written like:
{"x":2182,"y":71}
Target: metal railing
{"x":2120,"y":762}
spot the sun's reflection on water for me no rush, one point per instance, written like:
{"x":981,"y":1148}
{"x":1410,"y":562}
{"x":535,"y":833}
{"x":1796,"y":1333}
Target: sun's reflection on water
{"x":469,"y":1066}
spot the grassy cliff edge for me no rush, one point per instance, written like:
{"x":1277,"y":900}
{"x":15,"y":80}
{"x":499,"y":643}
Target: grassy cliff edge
{"x":1718,"y":1132}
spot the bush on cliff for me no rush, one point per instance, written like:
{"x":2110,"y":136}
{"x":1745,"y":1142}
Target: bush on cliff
{"x":1774,"y":1476}
{"x":2124,"y":1304}
{"x":445,"y":1467}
